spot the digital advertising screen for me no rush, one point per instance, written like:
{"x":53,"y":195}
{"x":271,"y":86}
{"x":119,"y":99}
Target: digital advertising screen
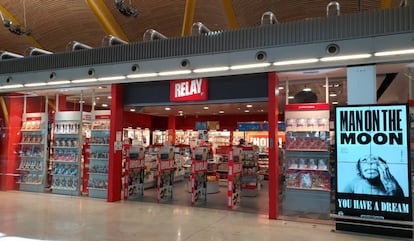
{"x":373,"y":169}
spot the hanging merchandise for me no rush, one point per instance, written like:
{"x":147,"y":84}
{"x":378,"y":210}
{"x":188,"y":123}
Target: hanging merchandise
{"x":33,"y":153}
{"x":134,"y":171}
{"x":99,"y":154}
{"x":234,"y":179}
{"x":166,"y":167}
{"x":66,"y":156}
{"x":199,"y":175}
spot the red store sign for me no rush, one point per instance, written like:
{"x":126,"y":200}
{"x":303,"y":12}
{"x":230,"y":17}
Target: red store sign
{"x":188,"y":90}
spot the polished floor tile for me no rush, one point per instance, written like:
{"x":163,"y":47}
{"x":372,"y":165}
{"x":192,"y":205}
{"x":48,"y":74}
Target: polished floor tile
{"x":34,"y":216}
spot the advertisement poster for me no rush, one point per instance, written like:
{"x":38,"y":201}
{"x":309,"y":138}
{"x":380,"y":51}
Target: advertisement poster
{"x":373,"y":180}
{"x":166,"y":168}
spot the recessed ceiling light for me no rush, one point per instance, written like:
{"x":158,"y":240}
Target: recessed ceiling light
{"x":334,"y":102}
{"x":167,"y":108}
{"x":104,"y":105}
{"x":180,"y":111}
{"x":249,"y":106}
{"x":205,"y":107}
{"x":332,"y":94}
{"x":291,"y":97}
{"x":246,"y":111}
{"x":281,"y":88}
{"x":221,"y":111}
{"x":109,"y":97}
{"x":307,"y":89}
{"x":132,"y":109}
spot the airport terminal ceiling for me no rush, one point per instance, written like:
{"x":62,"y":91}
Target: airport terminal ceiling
{"x":51,"y":25}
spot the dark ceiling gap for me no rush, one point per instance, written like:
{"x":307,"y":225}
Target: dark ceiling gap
{"x":389,"y":78}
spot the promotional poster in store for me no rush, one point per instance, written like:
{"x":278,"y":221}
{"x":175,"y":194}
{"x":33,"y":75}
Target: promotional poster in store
{"x":373,"y":168}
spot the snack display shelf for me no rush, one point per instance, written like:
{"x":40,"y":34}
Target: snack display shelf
{"x":32,"y":150}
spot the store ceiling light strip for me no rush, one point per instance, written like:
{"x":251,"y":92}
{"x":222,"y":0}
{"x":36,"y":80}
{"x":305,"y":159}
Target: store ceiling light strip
{"x":12,"y":86}
{"x":346,"y":57}
{"x":142,"y":75}
{"x":175,"y":72}
{"x":77,"y":81}
{"x":295,"y":61}
{"x":60,"y":82}
{"x":211,"y":69}
{"x":35,"y":84}
{"x":112,"y":78}
{"x":394,"y":52}
{"x":249,"y":66}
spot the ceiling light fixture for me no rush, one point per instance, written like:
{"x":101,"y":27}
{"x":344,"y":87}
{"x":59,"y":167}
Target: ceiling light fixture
{"x":167,"y":108}
{"x":60,"y":82}
{"x":77,"y":81}
{"x":35,"y":84}
{"x":291,"y":97}
{"x":132,"y":109}
{"x":211,"y":69}
{"x":394,"y":52}
{"x":104,"y":105}
{"x":346,"y":57}
{"x":142,"y":75}
{"x":246,"y":111}
{"x":12,"y":86}
{"x":307,"y":89}
{"x":332,"y":94}
{"x":221,"y":111}
{"x":249,"y":66}
{"x":112,"y":78}
{"x":249,"y":106}
{"x":175,"y":72}
{"x":296,"y":61}
{"x":334,"y":102}
{"x":205,"y":107}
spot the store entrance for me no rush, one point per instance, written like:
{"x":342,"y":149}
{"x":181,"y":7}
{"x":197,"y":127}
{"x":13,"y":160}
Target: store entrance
{"x":197,"y":179}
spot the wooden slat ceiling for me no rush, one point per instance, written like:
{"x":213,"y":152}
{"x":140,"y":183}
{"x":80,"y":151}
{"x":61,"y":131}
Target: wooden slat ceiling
{"x":55,"y":23}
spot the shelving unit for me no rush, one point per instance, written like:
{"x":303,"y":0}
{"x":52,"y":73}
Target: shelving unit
{"x":33,"y":153}
{"x":250,"y":185}
{"x":307,"y":175}
{"x":67,"y":153}
{"x":263,"y":163}
{"x":99,"y":154}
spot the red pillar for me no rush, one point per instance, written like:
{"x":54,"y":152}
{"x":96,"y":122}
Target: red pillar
{"x":15,"y":109}
{"x":171,"y":129}
{"x":273,"y":83}
{"x":115,"y":155}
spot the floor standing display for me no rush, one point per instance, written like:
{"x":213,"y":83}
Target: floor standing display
{"x":134,"y":171}
{"x":234,"y":179}
{"x":166,"y":169}
{"x":199,"y":175}
{"x":307,"y":158}
{"x":250,"y":183}
{"x":373,"y":193}
{"x":33,"y":153}
{"x":99,"y":154}
{"x":67,"y":155}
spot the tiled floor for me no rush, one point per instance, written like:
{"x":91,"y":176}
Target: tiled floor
{"x":33,"y":216}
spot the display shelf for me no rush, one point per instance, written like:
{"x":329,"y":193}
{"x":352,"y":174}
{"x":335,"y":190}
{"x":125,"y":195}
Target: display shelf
{"x":67,"y":153}
{"x":307,"y":157}
{"x":249,"y":179}
{"x":32,"y":153}
{"x":99,"y":154}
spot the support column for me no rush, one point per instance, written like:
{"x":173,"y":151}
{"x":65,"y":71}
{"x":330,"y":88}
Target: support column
{"x":171,"y":129}
{"x":115,"y":150}
{"x":15,"y":109}
{"x":362,"y":85}
{"x":273,"y":102}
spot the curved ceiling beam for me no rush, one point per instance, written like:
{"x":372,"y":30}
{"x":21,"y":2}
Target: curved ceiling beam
{"x":15,"y":22}
{"x":188,"y":17}
{"x":105,"y":17}
{"x":231,"y":17}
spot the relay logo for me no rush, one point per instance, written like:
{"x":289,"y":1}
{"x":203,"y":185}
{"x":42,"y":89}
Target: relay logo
{"x":188,"y":90}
